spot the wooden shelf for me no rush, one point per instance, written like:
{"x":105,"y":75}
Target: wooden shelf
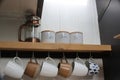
{"x":117,"y":36}
{"x":29,"y":46}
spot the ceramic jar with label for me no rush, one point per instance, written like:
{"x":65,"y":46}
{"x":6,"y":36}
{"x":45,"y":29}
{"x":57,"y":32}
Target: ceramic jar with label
{"x":48,"y":36}
{"x":76,"y":38}
{"x":62,"y":37}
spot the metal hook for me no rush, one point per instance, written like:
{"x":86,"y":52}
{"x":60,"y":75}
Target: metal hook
{"x":33,"y":56}
{"x":63,"y":55}
{"x":77,"y":56}
{"x":91,"y":55}
{"x":16,"y":53}
{"x":0,"y":54}
{"x":48,"y":54}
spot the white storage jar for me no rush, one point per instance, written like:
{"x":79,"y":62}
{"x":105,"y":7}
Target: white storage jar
{"x":48,"y":36}
{"x":76,"y":38}
{"x":62,"y":37}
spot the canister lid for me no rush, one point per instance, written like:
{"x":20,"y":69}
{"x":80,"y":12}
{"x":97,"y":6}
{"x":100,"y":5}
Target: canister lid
{"x":76,"y":32}
{"x":48,"y":31}
{"x":62,"y":32}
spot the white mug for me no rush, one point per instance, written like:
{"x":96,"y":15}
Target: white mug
{"x":93,"y":67}
{"x":49,"y":68}
{"x":48,"y":36}
{"x":79,"y":68}
{"x":1,"y":74}
{"x":14,"y":69}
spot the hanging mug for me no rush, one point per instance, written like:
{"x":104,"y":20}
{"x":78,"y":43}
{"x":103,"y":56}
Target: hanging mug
{"x":93,"y":68}
{"x":14,"y":68}
{"x":79,"y":67}
{"x":33,"y":68}
{"x":65,"y":68}
{"x":49,"y":68}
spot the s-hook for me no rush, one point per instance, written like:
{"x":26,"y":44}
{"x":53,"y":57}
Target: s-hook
{"x":0,"y":54}
{"x":33,"y":55}
{"x":48,"y":54}
{"x":91,"y":57}
{"x":63,"y":55}
{"x":77,"y":56}
{"x":16,"y":53}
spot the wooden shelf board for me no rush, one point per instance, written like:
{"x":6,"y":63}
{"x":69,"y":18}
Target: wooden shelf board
{"x":117,"y":36}
{"x":29,"y":46}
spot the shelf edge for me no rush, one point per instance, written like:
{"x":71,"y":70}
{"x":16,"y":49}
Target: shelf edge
{"x":29,"y":46}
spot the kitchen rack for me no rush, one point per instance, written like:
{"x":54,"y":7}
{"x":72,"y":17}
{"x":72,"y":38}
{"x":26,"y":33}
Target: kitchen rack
{"x":29,"y":46}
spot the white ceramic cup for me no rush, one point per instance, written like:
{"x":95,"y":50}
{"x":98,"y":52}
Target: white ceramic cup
{"x":49,"y":68}
{"x":48,"y":36}
{"x":62,"y":37}
{"x":1,"y":74}
{"x":76,"y":37}
{"x":79,"y":68}
{"x":14,"y":69}
{"x":93,"y":67}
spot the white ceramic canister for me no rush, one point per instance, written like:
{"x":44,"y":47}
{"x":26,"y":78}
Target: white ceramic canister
{"x":62,"y":37}
{"x":48,"y":36}
{"x":76,"y":38}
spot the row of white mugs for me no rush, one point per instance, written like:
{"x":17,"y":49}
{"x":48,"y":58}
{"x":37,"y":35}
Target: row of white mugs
{"x":49,"y":68}
{"x":61,"y":37}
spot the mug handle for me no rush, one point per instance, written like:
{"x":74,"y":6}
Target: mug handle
{"x":91,"y":59}
{"x":66,"y":61}
{"x":34,"y":59}
{"x":79,"y":59}
{"x":15,"y":59}
{"x":50,"y":59}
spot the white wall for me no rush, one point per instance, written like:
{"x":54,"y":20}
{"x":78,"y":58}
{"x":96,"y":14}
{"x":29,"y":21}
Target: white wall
{"x":72,"y":15}
{"x":9,"y":29}
{"x":12,"y":13}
